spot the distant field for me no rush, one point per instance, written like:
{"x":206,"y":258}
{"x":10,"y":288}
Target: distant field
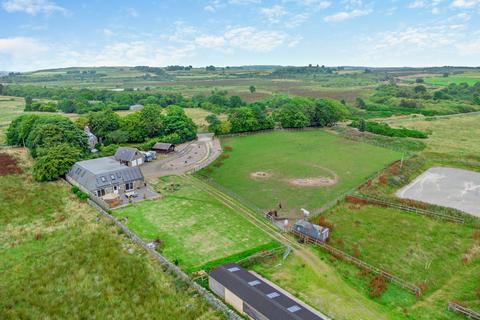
{"x":457,"y":79}
{"x":456,"y":135}
{"x":301,"y":169}
{"x":59,"y":260}
{"x":195,"y":227}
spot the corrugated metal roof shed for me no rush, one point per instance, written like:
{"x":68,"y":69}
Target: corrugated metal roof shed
{"x":260,"y":295}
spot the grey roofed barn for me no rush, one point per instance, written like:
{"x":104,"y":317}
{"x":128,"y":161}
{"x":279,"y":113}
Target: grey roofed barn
{"x":127,"y":154}
{"x":259,"y":296}
{"x":163,"y":147}
{"x":99,"y":173}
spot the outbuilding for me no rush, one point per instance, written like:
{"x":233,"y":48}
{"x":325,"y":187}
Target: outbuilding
{"x":131,"y":157}
{"x":256,"y":297}
{"x":161,"y":147}
{"x":311,"y":230}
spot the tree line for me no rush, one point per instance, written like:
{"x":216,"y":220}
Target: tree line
{"x":56,"y":143}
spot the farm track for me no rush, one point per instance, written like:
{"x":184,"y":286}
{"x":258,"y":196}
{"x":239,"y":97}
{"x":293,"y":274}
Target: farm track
{"x":301,"y":251}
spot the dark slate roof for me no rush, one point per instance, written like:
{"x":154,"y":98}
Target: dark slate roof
{"x":127,"y":154}
{"x":162,"y":146}
{"x":103,"y":172}
{"x":264,"y":298}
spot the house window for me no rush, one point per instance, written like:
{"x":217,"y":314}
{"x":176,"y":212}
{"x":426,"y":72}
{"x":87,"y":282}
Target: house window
{"x":103,"y":179}
{"x":112,"y":176}
{"x":254,"y":283}
{"x":233,"y":269}
{"x":100,"y":193}
{"x":273,"y":295}
{"x":294,"y":308}
{"x":129,"y":186}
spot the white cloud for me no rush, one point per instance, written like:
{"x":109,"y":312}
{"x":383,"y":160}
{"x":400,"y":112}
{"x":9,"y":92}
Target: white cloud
{"x":33,"y":7}
{"x":243,"y":2}
{"x":465,"y":4}
{"x":274,"y":14}
{"x":244,"y":38}
{"x":20,"y":46}
{"x":108,"y":32}
{"x":469,"y":48}
{"x":297,"y":20}
{"x":251,"y":39}
{"x":346,"y":15}
{"x":132,"y":12}
{"x":210,"y":41}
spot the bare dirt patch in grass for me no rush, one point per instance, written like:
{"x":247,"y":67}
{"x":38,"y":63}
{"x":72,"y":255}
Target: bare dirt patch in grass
{"x":8,"y":165}
{"x":260,"y":175}
{"x":314,"y":181}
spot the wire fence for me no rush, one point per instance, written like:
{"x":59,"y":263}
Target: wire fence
{"x":359,"y":263}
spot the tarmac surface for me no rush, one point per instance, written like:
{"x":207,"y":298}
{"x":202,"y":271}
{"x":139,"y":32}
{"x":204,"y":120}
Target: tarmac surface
{"x":447,"y":187}
{"x":188,"y":157}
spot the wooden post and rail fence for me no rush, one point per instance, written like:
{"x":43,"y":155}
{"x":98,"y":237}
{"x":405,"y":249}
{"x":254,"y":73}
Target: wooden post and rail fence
{"x":470,"y":314}
{"x":380,"y":202}
{"x":359,"y":263}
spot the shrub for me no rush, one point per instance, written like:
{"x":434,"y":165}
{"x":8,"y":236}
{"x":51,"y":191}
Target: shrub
{"x":377,"y":286}
{"x":227,"y":148}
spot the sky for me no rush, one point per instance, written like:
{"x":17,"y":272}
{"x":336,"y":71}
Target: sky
{"x":39,"y":34}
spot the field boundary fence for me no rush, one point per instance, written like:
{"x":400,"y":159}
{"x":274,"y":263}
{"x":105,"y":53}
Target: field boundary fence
{"x":170,"y":267}
{"x":371,"y":200}
{"x":470,"y":314}
{"x":359,"y":263}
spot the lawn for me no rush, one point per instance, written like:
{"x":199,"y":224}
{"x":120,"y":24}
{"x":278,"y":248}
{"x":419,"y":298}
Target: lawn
{"x":60,"y":260}
{"x":456,"y":135}
{"x":335,"y":165}
{"x":196,"y":229}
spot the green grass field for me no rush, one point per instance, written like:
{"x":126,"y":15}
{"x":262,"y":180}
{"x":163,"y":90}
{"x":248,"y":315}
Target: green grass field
{"x":456,"y":135}
{"x":457,"y":79}
{"x":286,"y":156}
{"x":437,"y":255}
{"x":196,"y":228}
{"x":59,"y":260}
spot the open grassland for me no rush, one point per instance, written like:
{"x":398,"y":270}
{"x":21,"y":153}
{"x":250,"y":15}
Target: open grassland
{"x":443,"y":258}
{"x":418,"y":249}
{"x":470,"y":79}
{"x":196,"y":229}
{"x":290,"y":161}
{"x":456,"y":135}
{"x":59,"y":260}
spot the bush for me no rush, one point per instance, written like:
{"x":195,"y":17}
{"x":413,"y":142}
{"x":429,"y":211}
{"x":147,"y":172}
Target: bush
{"x":385,"y":130}
{"x":377,"y":286}
{"x":81,"y":195}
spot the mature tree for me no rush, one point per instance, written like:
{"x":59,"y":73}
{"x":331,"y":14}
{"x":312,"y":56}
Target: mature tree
{"x":328,"y":112}
{"x":103,"y":122}
{"x":81,"y":122}
{"x":292,"y":116}
{"x":242,"y":120}
{"x":361,"y":125}
{"x":235,"y":102}
{"x":151,"y":121}
{"x":361,"y":103}
{"x":67,"y":106}
{"x":55,"y":162}
{"x":252,"y":89}
{"x":419,"y":80}
{"x":131,"y":125}
{"x":28,"y":103}
{"x":19,"y":129}
{"x":1,"y":89}
{"x":213,"y":123}
{"x":49,"y":134}
{"x":117,"y":137}
{"x":177,"y":122}
{"x":420,"y":89}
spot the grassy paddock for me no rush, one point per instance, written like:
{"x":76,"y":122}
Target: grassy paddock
{"x":286,"y":156}
{"x":195,"y":227}
{"x":455,"y":135}
{"x":60,"y":261}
